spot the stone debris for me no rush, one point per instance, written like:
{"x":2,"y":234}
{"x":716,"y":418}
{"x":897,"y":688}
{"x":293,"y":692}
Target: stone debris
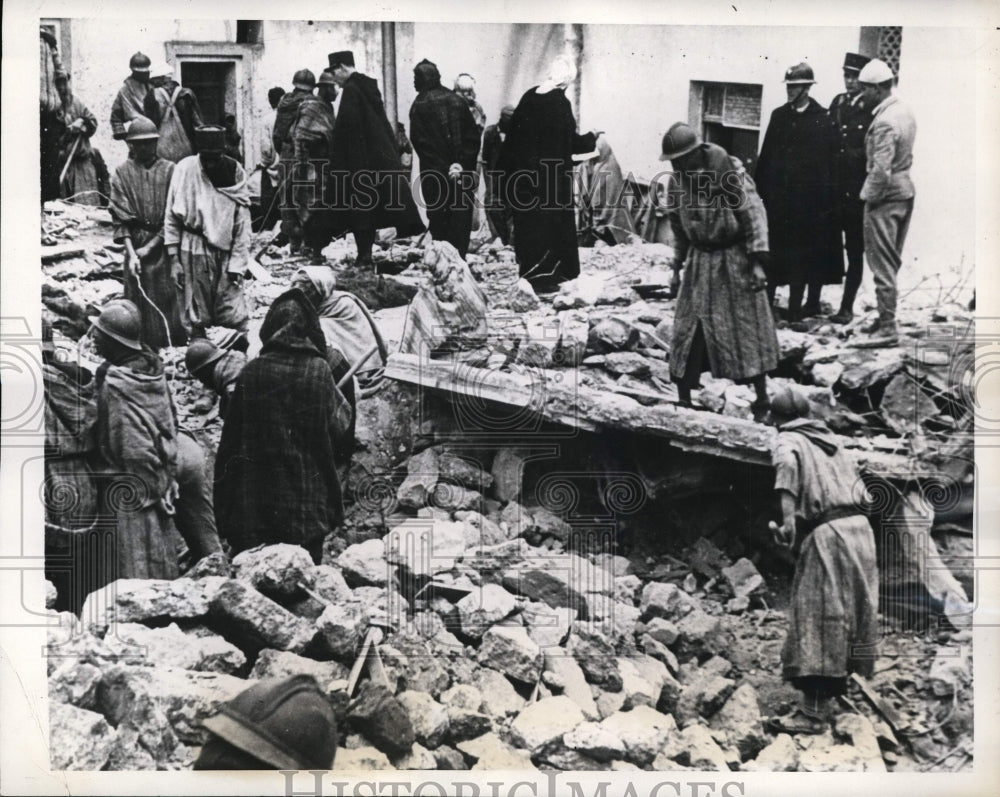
{"x":545,"y":722}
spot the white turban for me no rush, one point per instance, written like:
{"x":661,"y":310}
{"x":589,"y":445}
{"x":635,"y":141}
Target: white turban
{"x":162,"y":69}
{"x":562,"y":72}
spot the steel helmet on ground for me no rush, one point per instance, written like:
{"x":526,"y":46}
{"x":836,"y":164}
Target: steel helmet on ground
{"x":679,"y":140}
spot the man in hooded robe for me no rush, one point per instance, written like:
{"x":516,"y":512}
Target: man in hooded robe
{"x":606,"y":214}
{"x":497,"y":213}
{"x":276,"y":478}
{"x":206,"y":232}
{"x":540,"y":149}
{"x":446,"y":139}
{"x":129,"y":103}
{"x":833,"y":623}
{"x":368,"y":189}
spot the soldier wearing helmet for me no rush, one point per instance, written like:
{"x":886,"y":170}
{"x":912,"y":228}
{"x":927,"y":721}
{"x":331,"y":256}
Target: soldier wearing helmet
{"x":303,"y":84}
{"x":137,"y":439}
{"x":795,"y":176}
{"x":278,"y":723}
{"x":217,"y":364}
{"x":131,"y":96}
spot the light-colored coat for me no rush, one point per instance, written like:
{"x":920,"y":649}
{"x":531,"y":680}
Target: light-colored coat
{"x":889,"y":152}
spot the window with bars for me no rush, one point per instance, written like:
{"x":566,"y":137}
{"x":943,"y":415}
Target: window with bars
{"x":890,"y":46}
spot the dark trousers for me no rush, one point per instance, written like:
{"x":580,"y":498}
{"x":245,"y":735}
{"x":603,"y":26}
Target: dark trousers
{"x":449,"y":208}
{"x":852,"y":224}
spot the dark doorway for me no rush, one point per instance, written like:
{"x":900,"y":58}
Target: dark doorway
{"x":214,"y":84}
{"x":729,"y":115}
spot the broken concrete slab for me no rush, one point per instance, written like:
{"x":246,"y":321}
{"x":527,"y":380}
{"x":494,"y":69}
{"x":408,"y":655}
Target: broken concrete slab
{"x":643,"y":731}
{"x":490,"y":752}
{"x":253,"y":621}
{"x":545,"y":722}
{"x":563,"y":674}
{"x":282,"y":663}
{"x":138,"y":644}
{"x":144,"y":600}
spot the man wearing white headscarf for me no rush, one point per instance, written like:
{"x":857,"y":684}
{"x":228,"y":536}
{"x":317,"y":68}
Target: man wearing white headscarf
{"x":538,"y":162}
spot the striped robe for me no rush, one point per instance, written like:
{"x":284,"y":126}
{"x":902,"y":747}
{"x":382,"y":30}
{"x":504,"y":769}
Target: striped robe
{"x":713,"y":241}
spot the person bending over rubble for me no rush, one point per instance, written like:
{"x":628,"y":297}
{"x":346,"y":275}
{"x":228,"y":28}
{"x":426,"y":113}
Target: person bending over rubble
{"x":723,"y":322}
{"x":278,"y":723}
{"x":218,"y":365}
{"x":832,"y":627}
{"x":276,"y":477}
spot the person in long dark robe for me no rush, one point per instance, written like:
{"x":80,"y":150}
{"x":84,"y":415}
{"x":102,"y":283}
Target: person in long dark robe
{"x":368,"y":188}
{"x":312,"y":143}
{"x":129,"y":103}
{"x":604,"y":201}
{"x":796,"y":178}
{"x":138,"y":204}
{"x":446,"y":139}
{"x":137,"y":439}
{"x":498,"y":215}
{"x":276,"y":471}
{"x":303,"y":84}
{"x":175,"y":112}
{"x":833,"y":624}
{"x":51,"y":123}
{"x":540,"y":148}
{"x":723,"y":322}
{"x":268,"y":166}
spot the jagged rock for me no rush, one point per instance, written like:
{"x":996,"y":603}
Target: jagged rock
{"x":328,"y":586}
{"x":454,"y":497}
{"x":780,"y":756}
{"x":638,"y":690}
{"x":663,"y":631}
{"x":419,"y":757}
{"x":558,"y":756}
{"x":69,"y":641}
{"x":517,"y":519}
{"x":361,"y":759}
{"x":627,"y":588}
{"x":162,"y":701}
{"x":626,"y":363}
{"x":498,"y":558}
{"x":743,"y":578}
{"x":133,"y":600}
{"x":425,"y":549}
{"x":827,"y":374}
{"x":421,"y":475}
{"x":863,"y":738}
{"x":824,"y":755}
{"x":706,"y":559}
{"x":420,"y":669}
{"x":490,"y":752}
{"x":428,"y":717}
{"x":78,"y":739}
{"x":574,"y":330}
{"x":340,"y":629}
{"x":564,"y":674}
{"x":138,"y":644}
{"x":538,"y":347}
{"x":456,"y":469}
{"x":215,"y":564}
{"x":596,"y":656}
{"x":448,"y":758}
{"x":699,"y":634}
{"x":738,"y":723}
{"x":660,"y":652}
{"x":463,"y":696}
{"x":666,"y":600}
{"x":522,"y":298}
{"x":507,"y":472}
{"x":618,"y":566}
{"x":950,"y":671}
{"x":695,"y":747}
{"x":511,"y":651}
{"x":466,"y":724}
{"x":76,"y":683}
{"x":278,"y":571}
{"x":594,"y":740}
{"x":553,"y":587}
{"x":643,"y":731}
{"x":608,"y":703}
{"x":717,"y":665}
{"x":612,"y":335}
{"x":617,"y":620}
{"x":382,"y":719}
{"x":365,"y":564}
{"x":480,"y":530}
{"x":544,"y":722}
{"x":51,"y":594}
{"x":281,"y":663}
{"x":254,"y":621}
{"x":500,"y":699}
{"x":480,"y":610}
{"x":703,"y":696}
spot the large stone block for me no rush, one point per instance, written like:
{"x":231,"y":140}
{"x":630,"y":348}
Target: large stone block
{"x":382,"y":719}
{"x":365,"y":564}
{"x":133,"y":600}
{"x":79,"y":740}
{"x":135,"y":643}
{"x":511,"y":651}
{"x":544,"y":722}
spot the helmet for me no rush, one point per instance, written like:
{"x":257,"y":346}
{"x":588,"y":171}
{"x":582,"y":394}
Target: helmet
{"x":790,"y":402}
{"x":304,"y":78}
{"x":800,"y":74}
{"x":139,"y":62}
{"x":201,"y":353}
{"x":287,"y":723}
{"x":875,"y":72}
{"x":679,"y":140}
{"x":120,"y":321}
{"x":141,"y":128}
{"x":326,"y":79}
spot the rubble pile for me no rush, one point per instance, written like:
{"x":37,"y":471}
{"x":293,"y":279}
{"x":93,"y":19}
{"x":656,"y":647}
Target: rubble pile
{"x":488,"y":638}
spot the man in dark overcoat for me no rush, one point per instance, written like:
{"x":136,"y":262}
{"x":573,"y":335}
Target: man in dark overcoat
{"x":796,"y":179}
